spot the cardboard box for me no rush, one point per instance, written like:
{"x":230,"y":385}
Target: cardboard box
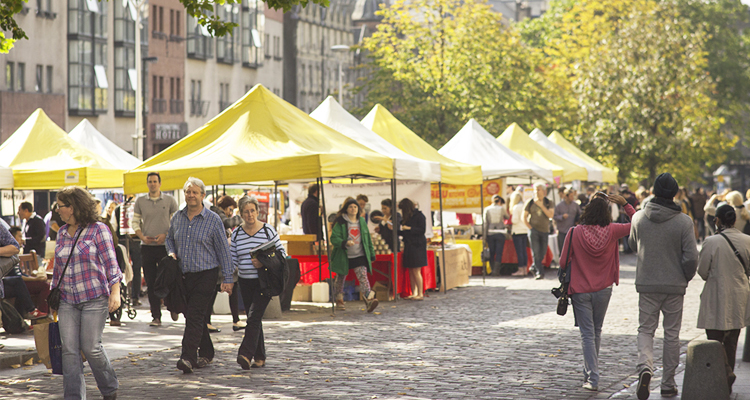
{"x":302,"y":293}
{"x":300,"y":245}
{"x":457,"y":267}
{"x":382,"y":292}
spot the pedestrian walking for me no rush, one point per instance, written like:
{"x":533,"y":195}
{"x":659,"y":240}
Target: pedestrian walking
{"x":595,"y":266}
{"x":248,"y":236}
{"x":519,"y":232}
{"x":90,"y":289}
{"x":197,"y":240}
{"x":566,"y":215}
{"x":494,"y":232}
{"x":698,"y":200}
{"x":537,"y":214}
{"x":151,"y":217}
{"x":224,"y":208}
{"x":352,"y":250}
{"x":734,"y":199}
{"x":415,"y":245}
{"x":725,"y":300}
{"x":663,"y":238}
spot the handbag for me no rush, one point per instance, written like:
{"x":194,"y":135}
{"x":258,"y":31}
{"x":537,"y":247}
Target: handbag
{"x":273,"y":275}
{"x":485,"y":254}
{"x":41,"y":341}
{"x":55,"y":348}
{"x":53,"y":299}
{"x":563,"y":274}
{"x":7,"y":264}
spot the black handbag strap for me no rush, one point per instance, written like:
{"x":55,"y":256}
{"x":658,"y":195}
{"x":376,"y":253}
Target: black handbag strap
{"x":566,"y":270}
{"x":80,"y":230}
{"x":734,"y":249}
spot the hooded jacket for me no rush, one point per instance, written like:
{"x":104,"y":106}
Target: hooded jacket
{"x":595,"y":255}
{"x":667,"y":254}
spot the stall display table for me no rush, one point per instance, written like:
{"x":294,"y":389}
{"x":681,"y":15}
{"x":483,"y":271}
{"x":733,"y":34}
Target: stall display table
{"x":457,"y":268}
{"x":476,"y":250}
{"x":382,"y":268}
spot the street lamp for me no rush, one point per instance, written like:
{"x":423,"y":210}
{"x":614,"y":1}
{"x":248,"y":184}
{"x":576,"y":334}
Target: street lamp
{"x":138,"y":11}
{"x":340,"y":48}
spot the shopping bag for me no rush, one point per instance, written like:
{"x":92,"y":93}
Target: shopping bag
{"x":55,"y":348}
{"x":41,"y":339}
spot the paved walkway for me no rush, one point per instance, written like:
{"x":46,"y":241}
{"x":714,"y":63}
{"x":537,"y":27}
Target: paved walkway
{"x":501,"y":340}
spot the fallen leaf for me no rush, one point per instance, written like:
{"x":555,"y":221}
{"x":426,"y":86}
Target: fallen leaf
{"x":625,"y":385}
{"x":14,"y":366}
{"x":376,"y":313}
{"x":538,"y":388}
{"x":30,"y":361}
{"x":307,"y":373}
{"x":324,"y":361}
{"x":211,"y":394}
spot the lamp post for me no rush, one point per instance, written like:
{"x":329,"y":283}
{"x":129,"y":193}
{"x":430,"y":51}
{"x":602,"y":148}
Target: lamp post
{"x":340,"y":48}
{"x":138,"y":11}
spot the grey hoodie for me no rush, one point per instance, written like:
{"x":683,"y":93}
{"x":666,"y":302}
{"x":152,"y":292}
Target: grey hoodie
{"x":667,"y":253}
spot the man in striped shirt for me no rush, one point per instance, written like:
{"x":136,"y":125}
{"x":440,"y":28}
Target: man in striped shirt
{"x":197,"y":239}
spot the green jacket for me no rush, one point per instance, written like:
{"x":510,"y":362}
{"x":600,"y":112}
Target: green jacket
{"x":339,"y":262}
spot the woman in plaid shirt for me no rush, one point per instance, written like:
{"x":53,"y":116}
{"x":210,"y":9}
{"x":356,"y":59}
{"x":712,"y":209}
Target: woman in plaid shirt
{"x":90,"y":289}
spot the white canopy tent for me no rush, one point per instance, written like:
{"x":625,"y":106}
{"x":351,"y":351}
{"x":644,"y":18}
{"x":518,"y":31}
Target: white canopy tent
{"x":474,"y":145}
{"x":86,"y":134}
{"x":595,"y":175}
{"x":6,"y":178}
{"x":405,"y":166}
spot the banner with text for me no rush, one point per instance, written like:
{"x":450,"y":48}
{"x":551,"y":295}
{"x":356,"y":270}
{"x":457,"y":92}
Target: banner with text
{"x":466,"y":198}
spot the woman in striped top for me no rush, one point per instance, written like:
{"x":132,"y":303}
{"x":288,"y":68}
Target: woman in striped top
{"x":251,"y":234}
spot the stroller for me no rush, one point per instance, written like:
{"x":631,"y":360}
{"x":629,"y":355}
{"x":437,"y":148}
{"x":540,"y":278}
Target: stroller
{"x":123,"y":259}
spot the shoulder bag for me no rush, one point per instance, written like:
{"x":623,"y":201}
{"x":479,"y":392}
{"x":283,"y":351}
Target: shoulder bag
{"x":53,"y":299}
{"x":274,"y":273}
{"x":736,"y":252}
{"x":563,"y":275}
{"x":8,"y":263}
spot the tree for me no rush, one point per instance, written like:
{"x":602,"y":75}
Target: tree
{"x":437,"y":63}
{"x":202,"y":10}
{"x":645,"y":97}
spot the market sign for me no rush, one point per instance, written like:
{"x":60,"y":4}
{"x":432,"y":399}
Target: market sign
{"x":463,"y":197}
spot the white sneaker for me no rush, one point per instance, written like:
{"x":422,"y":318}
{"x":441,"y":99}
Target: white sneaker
{"x":589,"y":386}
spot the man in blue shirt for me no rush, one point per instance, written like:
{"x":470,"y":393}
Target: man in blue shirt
{"x":197,"y":239}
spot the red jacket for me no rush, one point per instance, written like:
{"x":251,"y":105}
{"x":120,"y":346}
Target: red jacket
{"x":595,"y":255}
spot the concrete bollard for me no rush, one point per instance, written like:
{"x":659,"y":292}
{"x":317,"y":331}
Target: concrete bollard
{"x":273,"y":311}
{"x":705,"y":373}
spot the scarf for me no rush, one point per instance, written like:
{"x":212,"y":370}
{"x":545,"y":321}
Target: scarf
{"x":666,"y":203}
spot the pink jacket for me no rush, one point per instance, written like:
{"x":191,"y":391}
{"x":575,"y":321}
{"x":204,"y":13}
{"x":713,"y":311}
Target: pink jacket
{"x":595,"y":255}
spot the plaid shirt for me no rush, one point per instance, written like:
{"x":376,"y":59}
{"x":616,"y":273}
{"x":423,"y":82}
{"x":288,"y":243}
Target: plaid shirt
{"x":93,"y":266}
{"x":5,"y":239}
{"x":200,"y":244}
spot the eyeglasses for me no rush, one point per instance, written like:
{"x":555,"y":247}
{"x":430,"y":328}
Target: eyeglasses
{"x":63,"y":205}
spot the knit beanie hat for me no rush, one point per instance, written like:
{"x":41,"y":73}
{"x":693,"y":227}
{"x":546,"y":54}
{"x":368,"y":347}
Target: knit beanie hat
{"x":665,"y":186}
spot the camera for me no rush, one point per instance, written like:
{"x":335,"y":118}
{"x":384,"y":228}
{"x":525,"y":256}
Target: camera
{"x":557,"y":292}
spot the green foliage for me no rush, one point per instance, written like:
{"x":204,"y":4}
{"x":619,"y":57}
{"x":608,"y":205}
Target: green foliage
{"x":200,"y":9}
{"x":645,"y":98}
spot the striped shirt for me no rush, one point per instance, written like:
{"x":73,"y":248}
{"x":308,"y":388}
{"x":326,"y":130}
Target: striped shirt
{"x":93,"y":265}
{"x":6,"y":239}
{"x":242,"y":243}
{"x":200,"y":244}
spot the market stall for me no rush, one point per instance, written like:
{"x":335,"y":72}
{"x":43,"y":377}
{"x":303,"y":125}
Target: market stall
{"x":608,"y":174}
{"x":594,"y":174}
{"x":87,"y":135}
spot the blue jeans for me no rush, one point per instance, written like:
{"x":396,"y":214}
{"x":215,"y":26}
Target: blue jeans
{"x":589,"y":310}
{"x":496,"y":244}
{"x":81,"y":327}
{"x":539,"y":242}
{"x":519,"y":242}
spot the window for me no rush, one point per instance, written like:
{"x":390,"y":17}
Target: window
{"x":38,"y":87}
{"x":171,"y":22}
{"x":177,"y":20}
{"x":10,"y":76}
{"x":49,"y":79}
{"x":155,"y":12}
{"x":175,"y":100}
{"x":267,"y":49}
{"x":277,"y":47}
{"x":161,"y":19}
{"x":21,"y":74}
{"x":87,"y":58}
{"x":126,"y":76}
{"x":252,"y":28}
{"x":223,"y":96}
{"x":199,"y":41}
{"x":125,"y":80}
{"x":225,"y":44}
{"x":197,"y":105}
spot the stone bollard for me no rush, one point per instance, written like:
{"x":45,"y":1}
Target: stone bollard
{"x":705,"y":373}
{"x":273,"y":311}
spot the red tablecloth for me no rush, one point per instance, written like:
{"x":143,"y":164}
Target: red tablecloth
{"x":381,"y":268}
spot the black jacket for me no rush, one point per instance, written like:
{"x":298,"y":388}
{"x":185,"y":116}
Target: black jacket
{"x":35,"y":237}
{"x":169,"y":286}
{"x":415,"y":242}
{"x":310,"y":220}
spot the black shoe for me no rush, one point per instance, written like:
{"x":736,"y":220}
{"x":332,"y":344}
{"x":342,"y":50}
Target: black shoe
{"x":669,"y":392}
{"x":184,"y":366}
{"x":112,"y":396}
{"x":258,"y":364}
{"x":212,"y":329}
{"x":244,"y":362}
{"x":644,"y":378}
{"x":202,"y":362}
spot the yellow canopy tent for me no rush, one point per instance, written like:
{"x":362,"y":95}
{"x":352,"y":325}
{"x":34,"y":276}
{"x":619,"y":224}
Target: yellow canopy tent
{"x":43,"y":156}
{"x":608,"y":174}
{"x":382,"y":122}
{"x":260,"y":138}
{"x":519,"y":141}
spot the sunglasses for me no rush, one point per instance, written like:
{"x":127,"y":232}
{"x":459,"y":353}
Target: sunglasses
{"x":602,"y":196}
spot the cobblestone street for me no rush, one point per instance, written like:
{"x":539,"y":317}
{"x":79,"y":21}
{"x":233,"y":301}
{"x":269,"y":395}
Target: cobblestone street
{"x":502,"y":340}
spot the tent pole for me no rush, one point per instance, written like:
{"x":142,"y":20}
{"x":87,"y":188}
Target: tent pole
{"x":325,"y":237}
{"x":320,"y":245}
{"x":484,"y":229}
{"x":394,"y":219}
{"x":13,"y":199}
{"x":442,"y":240}
{"x":275,"y":207}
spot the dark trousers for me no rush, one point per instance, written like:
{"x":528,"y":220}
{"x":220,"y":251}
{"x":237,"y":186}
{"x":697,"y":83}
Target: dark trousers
{"x":701,"y":225}
{"x":210,"y":309}
{"x":729,"y":340}
{"x":496,"y":243}
{"x":200,"y":287}
{"x":134,"y":248}
{"x":39,"y":291}
{"x":15,"y":287}
{"x":234,"y":303}
{"x":519,"y":242}
{"x":253,"y":344}
{"x":151,"y":256}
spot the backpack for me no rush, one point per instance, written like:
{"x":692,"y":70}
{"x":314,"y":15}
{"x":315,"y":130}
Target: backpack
{"x":12,"y":320}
